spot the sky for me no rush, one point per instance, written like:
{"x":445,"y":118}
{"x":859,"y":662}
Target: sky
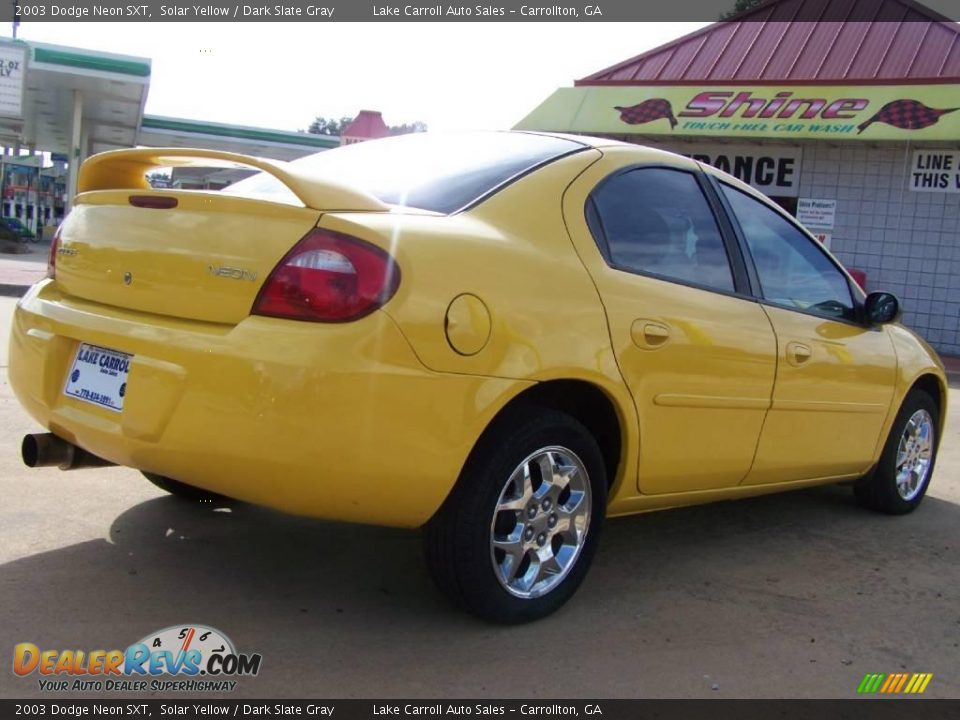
{"x":453,"y":76}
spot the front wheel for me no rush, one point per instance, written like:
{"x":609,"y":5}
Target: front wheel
{"x":900,"y":480}
{"x":516,"y":537}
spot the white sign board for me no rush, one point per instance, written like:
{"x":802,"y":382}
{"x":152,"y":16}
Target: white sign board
{"x":13,"y":68}
{"x":935,"y":171}
{"x":774,"y":171}
{"x":816,"y":214}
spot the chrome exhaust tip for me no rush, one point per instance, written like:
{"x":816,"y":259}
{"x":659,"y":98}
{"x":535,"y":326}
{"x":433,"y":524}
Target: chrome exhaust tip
{"x":48,"y":450}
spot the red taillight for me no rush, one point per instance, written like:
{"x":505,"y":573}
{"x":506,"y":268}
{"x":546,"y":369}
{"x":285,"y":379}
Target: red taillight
{"x":52,"y":257}
{"x":328,"y":277}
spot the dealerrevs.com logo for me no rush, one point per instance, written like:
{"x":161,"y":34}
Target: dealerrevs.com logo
{"x":186,"y":658}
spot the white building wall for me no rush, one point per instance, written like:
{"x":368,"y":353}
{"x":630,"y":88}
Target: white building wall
{"x":907,"y":242}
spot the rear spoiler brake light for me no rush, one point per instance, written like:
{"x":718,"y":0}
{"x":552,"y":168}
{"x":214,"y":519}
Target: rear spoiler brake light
{"x":154,"y":202}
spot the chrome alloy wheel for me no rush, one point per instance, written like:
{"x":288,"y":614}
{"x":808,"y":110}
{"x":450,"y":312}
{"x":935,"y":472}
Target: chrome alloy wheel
{"x":915,"y":454}
{"x":540,"y":522}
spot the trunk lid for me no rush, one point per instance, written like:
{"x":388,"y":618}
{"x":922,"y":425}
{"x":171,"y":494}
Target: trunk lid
{"x":199,"y":255}
{"x":204,"y":259}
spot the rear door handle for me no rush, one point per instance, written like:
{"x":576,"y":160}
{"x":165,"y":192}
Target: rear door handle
{"x":798,"y":353}
{"x":649,"y":334}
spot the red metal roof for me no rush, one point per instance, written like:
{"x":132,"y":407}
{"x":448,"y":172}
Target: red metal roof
{"x":808,"y":42}
{"x":368,"y":124}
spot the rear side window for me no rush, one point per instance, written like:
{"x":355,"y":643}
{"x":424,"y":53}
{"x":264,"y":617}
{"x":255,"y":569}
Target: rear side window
{"x":793,"y":271}
{"x":657,"y":221}
{"x":439,"y":172}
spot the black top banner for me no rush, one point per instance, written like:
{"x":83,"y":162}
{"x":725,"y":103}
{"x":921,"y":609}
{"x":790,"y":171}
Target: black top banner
{"x":426,"y":11}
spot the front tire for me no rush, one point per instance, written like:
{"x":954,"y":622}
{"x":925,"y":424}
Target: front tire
{"x":900,"y":480}
{"x":517,"y":535}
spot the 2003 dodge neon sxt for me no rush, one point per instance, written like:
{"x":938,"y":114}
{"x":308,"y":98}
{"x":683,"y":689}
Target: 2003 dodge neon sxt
{"x":501,"y":337}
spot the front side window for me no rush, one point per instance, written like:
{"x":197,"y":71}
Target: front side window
{"x":793,"y":271}
{"x":657,"y":221}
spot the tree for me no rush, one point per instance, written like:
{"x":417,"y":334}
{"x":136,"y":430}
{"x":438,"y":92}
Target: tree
{"x":159,"y":178}
{"x":414,"y":127}
{"x":328,"y":126}
{"x":740,"y":6}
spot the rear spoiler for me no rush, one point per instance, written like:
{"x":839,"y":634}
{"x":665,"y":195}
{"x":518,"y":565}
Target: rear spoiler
{"x":127,"y":169}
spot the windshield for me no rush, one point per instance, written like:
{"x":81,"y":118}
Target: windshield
{"x":440,"y":172}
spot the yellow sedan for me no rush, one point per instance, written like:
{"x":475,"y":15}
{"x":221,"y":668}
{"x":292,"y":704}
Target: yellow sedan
{"x":502,"y":338}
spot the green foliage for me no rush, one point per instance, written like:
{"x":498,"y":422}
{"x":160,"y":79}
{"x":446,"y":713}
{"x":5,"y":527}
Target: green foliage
{"x":740,"y":6}
{"x":330,"y":126}
{"x":414,"y":127}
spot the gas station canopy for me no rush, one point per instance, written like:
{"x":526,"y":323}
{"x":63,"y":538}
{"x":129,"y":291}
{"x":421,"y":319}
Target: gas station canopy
{"x":107,"y":91}
{"x":76,"y":102}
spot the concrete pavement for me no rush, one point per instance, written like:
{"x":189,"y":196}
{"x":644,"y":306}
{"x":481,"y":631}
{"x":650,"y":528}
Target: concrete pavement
{"x":795,"y":595}
{"x":18,"y":272}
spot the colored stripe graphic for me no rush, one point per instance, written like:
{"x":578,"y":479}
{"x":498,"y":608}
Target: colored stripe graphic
{"x":901,"y":680}
{"x":895,"y":683}
{"x":871,"y":682}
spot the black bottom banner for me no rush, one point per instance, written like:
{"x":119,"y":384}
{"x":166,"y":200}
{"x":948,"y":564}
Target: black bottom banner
{"x":914,"y":709}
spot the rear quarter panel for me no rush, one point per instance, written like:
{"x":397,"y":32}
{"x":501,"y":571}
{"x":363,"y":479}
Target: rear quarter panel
{"x":513,"y":252}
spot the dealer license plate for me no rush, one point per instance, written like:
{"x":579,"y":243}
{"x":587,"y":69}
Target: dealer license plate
{"x":99,"y":376}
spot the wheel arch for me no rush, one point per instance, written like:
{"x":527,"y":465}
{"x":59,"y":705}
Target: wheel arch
{"x":586,"y":402}
{"x":934,"y":386}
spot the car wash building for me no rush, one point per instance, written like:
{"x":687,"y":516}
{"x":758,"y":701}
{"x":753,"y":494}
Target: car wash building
{"x":851,"y":126}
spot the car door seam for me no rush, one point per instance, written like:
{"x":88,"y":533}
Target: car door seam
{"x":773,"y":389}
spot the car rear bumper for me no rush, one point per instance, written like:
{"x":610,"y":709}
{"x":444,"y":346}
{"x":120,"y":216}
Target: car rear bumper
{"x":334,"y":421}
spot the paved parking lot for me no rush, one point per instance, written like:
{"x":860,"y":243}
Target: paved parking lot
{"x":796,"y":595}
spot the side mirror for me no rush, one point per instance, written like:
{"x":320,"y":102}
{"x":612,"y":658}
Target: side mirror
{"x":881,"y":307}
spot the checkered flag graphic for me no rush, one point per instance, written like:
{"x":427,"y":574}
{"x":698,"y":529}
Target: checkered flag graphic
{"x":648,"y":111}
{"x":906,"y":115}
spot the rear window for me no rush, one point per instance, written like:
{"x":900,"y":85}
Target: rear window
{"x":439,"y":172}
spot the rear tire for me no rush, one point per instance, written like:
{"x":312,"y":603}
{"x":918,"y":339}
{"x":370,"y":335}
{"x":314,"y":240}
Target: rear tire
{"x":182,"y":490}
{"x":517,"y":535}
{"x":901,"y":478}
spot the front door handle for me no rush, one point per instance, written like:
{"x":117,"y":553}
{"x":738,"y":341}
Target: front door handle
{"x":798,"y":353}
{"x":649,"y":334}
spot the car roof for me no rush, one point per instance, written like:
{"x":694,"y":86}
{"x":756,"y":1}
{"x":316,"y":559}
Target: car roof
{"x":646,"y":153}
{"x":588,"y":140}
